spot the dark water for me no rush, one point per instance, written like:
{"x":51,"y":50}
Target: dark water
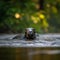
{"x":46,"y":53}
{"x":16,"y":49}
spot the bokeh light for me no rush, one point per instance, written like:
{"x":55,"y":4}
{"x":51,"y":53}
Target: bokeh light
{"x":42,"y":16}
{"x":35,"y":19}
{"x":17,"y":15}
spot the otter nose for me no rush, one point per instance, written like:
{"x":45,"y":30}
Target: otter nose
{"x":30,"y":32}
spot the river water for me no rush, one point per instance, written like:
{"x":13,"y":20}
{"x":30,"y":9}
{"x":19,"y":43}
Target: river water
{"x":44,"y":47}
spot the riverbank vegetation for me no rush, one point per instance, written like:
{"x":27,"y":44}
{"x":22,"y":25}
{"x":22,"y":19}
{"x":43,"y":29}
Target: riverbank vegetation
{"x":43,"y":15}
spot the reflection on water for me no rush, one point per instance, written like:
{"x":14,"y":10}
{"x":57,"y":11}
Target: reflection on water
{"x":29,"y":53}
{"x":45,"y":47}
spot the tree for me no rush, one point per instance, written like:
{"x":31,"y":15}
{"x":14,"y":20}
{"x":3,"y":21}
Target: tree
{"x":40,"y":14}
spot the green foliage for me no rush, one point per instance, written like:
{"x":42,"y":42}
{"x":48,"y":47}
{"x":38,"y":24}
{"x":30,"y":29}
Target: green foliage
{"x":47,"y":20}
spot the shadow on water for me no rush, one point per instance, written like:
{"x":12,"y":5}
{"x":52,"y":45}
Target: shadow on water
{"x":8,"y":53}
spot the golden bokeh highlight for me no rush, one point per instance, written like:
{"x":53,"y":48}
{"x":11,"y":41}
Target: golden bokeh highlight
{"x":35,"y":19}
{"x":17,"y":15}
{"x":42,"y":16}
{"x":48,"y":5}
{"x":37,"y":6}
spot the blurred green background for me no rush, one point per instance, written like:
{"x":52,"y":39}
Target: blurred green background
{"x":43,"y":15}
